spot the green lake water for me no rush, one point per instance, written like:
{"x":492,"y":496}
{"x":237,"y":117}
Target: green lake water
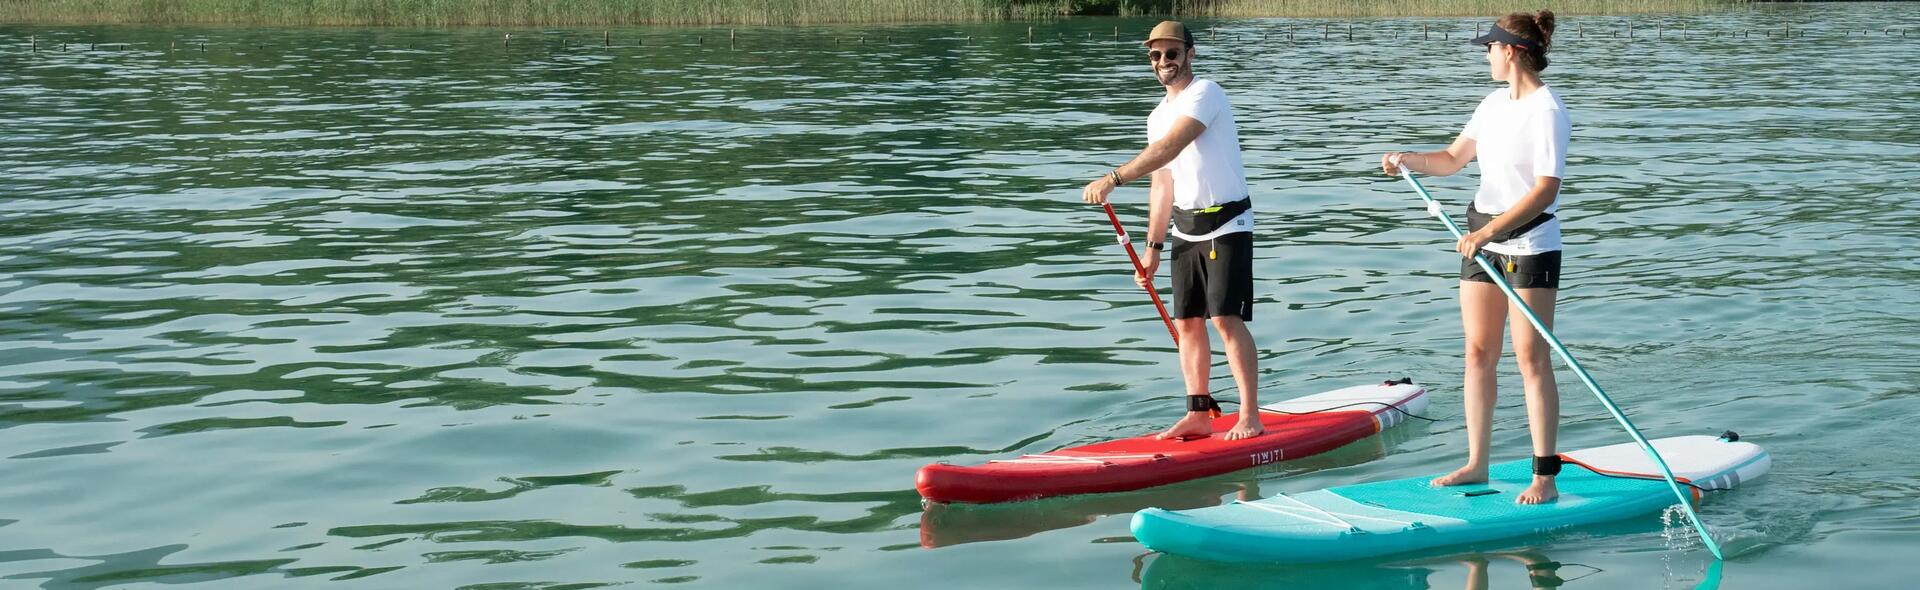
{"x":331,"y":308}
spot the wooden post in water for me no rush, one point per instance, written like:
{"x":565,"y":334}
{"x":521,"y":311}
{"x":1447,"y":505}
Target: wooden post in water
{"x":1116,"y":33}
{"x":507,"y":41}
{"x":1349,"y":32}
{"x":606,"y":38}
{"x":1423,"y":31}
{"x":969,"y":40}
{"x":1029,"y":35}
{"x":34,"y":42}
{"x":1629,"y":30}
{"x":1789,"y":31}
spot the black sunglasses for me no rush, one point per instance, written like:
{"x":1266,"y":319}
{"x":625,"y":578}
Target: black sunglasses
{"x":1170,"y":55}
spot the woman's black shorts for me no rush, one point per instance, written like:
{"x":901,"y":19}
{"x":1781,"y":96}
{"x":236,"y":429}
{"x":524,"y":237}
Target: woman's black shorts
{"x":1529,"y":271}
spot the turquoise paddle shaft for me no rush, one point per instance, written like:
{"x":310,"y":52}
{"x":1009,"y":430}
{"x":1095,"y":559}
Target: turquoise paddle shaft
{"x":1685,"y":503}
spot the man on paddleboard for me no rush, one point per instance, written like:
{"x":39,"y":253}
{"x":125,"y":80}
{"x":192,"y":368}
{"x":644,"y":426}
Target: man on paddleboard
{"x":1193,"y":157}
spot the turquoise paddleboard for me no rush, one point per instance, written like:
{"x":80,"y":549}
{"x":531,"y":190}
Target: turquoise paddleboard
{"x":1382,"y":518}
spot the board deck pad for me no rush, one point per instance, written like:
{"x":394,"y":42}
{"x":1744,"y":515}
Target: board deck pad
{"x":1396,"y":516}
{"x":1317,"y":423}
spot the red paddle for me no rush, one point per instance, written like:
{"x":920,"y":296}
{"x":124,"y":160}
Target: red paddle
{"x":1127,"y":242}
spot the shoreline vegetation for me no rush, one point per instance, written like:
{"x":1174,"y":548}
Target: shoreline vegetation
{"x":454,"y":13}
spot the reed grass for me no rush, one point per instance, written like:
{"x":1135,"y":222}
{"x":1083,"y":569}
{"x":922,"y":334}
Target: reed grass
{"x":442,"y":13}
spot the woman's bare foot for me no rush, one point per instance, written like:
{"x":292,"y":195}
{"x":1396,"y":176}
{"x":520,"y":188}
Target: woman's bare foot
{"x":1247,"y":427}
{"x":1542,"y":491}
{"x":1462,"y":476}
{"x":1196,"y":424}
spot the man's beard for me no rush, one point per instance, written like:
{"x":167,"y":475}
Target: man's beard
{"x":1168,"y":78}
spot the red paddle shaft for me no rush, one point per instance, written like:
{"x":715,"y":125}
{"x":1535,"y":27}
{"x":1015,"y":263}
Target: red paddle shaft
{"x":1127,"y":242}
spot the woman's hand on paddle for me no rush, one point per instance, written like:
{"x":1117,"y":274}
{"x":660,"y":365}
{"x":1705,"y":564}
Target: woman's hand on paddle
{"x":1469,"y":244}
{"x":1097,"y":191}
{"x":1151,"y":265}
{"x":1390,"y":162}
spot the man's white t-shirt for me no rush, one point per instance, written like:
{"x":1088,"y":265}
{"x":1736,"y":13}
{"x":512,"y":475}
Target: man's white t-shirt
{"x":1517,"y":142}
{"x":1208,"y":172}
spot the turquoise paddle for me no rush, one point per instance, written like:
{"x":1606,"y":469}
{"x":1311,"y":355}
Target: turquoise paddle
{"x":1514,"y":298}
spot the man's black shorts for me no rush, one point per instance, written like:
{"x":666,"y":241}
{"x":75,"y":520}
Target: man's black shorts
{"x":1217,"y":285}
{"x":1530,"y":271}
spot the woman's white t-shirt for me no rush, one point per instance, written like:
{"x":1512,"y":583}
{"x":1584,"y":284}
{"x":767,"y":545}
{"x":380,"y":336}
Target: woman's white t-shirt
{"x":1208,"y":172}
{"x":1518,"y":141}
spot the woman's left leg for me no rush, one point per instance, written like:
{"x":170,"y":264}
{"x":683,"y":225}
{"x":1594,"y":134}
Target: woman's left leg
{"x":1535,"y":357}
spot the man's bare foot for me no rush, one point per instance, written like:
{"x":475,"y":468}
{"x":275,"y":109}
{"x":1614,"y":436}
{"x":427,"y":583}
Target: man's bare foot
{"x":1542,"y":491}
{"x":1462,"y":476}
{"x":1246,"y":428}
{"x":1196,"y":424}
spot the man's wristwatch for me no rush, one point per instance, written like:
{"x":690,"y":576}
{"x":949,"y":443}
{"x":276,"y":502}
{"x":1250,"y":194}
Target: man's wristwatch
{"x":1156,"y":245}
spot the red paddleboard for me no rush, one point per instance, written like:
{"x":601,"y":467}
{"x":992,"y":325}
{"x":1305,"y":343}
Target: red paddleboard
{"x":1314,"y":424}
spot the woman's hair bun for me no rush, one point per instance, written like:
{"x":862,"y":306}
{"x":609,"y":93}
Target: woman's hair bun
{"x":1544,"y":20}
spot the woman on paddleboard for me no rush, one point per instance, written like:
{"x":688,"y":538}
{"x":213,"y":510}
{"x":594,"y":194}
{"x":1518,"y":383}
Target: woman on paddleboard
{"x":1519,"y":135}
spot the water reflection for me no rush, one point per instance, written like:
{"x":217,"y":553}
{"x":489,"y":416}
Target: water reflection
{"x":1472,"y":571}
